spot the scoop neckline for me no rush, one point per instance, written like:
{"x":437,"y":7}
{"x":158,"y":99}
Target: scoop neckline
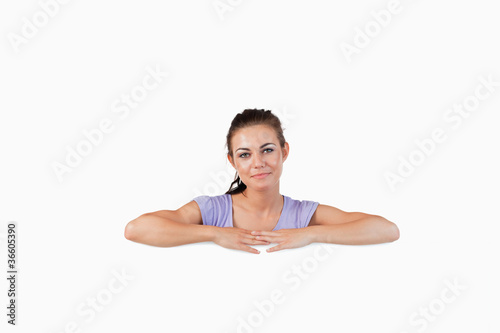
{"x":285,"y":201}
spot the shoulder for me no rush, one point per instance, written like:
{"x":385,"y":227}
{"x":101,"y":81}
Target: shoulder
{"x":299,"y":211}
{"x":214,"y":209}
{"x":215,"y":201}
{"x":295,"y":204}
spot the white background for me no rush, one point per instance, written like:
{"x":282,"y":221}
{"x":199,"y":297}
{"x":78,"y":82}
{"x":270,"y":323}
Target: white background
{"x":346,"y":122}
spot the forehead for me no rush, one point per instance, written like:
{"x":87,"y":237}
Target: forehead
{"x":254,"y":136}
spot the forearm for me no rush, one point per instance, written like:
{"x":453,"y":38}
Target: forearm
{"x":367,"y":230}
{"x":159,"y":231}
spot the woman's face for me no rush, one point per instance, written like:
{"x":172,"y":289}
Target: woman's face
{"x":256,"y":150}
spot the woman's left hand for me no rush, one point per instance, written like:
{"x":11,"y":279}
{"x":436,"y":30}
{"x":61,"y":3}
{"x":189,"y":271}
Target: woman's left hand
{"x":286,"y":238}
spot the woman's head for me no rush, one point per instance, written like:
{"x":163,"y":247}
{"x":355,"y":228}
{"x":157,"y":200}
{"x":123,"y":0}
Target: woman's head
{"x":256,"y":145}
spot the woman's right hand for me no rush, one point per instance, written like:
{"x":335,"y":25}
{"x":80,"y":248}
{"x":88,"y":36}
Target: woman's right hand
{"x":237,"y":238}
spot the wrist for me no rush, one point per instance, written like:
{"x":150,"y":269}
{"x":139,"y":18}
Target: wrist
{"x":213,"y":232}
{"x":312,"y":234}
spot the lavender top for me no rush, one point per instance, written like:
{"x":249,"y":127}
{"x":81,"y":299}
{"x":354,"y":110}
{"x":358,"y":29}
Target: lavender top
{"x":218,"y":211}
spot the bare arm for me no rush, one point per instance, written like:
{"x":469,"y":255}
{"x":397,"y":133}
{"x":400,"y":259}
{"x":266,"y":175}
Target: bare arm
{"x":154,"y":230}
{"x":332,"y":225}
{"x":168,"y":228}
{"x":370,"y":229}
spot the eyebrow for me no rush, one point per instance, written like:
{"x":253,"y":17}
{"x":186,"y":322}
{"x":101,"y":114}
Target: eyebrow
{"x":265,"y":144}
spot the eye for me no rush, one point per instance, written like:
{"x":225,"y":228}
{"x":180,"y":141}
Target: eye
{"x":271,"y":150}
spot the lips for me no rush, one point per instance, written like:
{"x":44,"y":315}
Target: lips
{"x":261,"y":174}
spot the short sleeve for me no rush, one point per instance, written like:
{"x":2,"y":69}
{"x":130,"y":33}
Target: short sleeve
{"x":206,"y":207}
{"x":307,"y":210}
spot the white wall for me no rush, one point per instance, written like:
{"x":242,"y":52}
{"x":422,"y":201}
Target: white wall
{"x":353,"y":105}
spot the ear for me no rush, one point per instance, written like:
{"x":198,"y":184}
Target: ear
{"x":286,"y":151}
{"x":230,"y":160}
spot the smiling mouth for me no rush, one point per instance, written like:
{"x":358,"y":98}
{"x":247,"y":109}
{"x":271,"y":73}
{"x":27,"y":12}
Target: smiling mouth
{"x":261,"y":175}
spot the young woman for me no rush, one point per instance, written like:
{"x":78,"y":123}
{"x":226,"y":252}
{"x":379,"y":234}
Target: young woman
{"x":254,"y":212}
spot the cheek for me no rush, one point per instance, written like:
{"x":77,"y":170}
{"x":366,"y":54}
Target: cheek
{"x":275,"y":161}
{"x":243,"y":164}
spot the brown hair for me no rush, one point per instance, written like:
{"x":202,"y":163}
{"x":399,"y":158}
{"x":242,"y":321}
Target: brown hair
{"x":251,"y":117}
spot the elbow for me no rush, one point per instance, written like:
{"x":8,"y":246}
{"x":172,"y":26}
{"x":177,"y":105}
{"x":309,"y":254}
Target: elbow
{"x":390,"y":230}
{"x":393,"y":232}
{"x":131,"y":230}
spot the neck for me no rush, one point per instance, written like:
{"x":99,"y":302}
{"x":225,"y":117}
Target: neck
{"x":264,"y":203}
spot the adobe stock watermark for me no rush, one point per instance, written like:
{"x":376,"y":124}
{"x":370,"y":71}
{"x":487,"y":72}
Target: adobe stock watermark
{"x":363,"y":37}
{"x":222,"y":7}
{"x":89,"y":309}
{"x":92,"y":138}
{"x":30,"y":27}
{"x":430,"y":312}
{"x":293,"y":279}
{"x":455,"y":116}
{"x":222,"y":179}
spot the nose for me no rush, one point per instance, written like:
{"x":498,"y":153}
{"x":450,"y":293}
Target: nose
{"x":258,"y":161}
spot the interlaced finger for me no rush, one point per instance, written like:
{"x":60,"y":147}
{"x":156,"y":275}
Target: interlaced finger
{"x":253,"y":240}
